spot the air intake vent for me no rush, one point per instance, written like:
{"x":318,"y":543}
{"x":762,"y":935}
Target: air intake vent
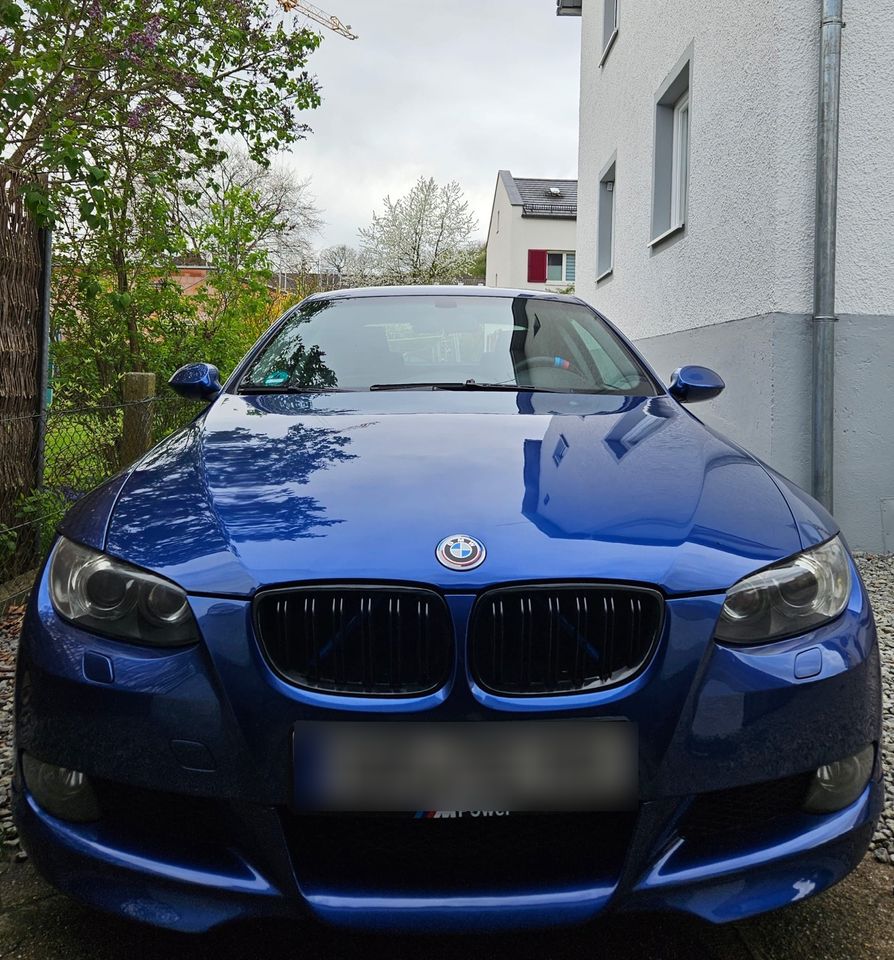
{"x":363,"y":641}
{"x":535,"y":641}
{"x":741,"y":808}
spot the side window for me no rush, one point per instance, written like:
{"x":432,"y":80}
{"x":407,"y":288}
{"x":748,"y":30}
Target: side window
{"x":611,"y":371}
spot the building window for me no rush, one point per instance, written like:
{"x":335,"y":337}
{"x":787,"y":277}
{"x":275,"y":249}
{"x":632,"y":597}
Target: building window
{"x":560,"y":267}
{"x":551,"y":266}
{"x":673,"y":125}
{"x":605,"y":238}
{"x":680,"y":172}
{"x":609,"y":27}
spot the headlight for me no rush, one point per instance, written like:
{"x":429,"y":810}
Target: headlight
{"x":789,"y":598}
{"x":112,"y":597}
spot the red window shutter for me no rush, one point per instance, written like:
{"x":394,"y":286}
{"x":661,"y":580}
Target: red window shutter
{"x":537,"y":266}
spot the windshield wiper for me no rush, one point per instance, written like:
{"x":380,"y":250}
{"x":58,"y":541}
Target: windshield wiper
{"x":466,"y":385}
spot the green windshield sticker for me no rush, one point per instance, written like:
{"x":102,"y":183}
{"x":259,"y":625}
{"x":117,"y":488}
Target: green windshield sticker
{"x":276,"y":379}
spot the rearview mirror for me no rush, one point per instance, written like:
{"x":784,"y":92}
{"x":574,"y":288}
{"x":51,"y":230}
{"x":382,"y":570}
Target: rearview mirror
{"x":196,"y":381}
{"x":692,"y":384}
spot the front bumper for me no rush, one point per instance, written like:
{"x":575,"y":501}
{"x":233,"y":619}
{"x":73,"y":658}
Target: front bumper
{"x":211,"y":725}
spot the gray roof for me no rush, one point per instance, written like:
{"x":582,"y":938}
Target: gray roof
{"x":541,"y":198}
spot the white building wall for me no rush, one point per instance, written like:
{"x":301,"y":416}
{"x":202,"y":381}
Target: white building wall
{"x":539,"y":233}
{"x":507,"y":249}
{"x":736,"y":257}
{"x":865,"y":279}
{"x":499,"y":268}
{"x":748,"y":245}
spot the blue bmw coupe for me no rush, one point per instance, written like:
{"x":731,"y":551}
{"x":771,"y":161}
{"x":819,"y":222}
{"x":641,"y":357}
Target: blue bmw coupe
{"x":445,"y":613}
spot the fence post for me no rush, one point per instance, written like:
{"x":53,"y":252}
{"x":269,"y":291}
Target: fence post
{"x":136,"y":437}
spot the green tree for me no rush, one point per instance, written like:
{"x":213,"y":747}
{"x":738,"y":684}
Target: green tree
{"x":166,"y":326}
{"x":478,"y":268}
{"x":82,"y":81}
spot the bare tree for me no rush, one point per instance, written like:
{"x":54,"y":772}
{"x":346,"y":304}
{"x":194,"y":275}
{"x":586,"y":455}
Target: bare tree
{"x":334,"y":262}
{"x":345,"y":266}
{"x":287,"y":217}
{"x":423,"y":237}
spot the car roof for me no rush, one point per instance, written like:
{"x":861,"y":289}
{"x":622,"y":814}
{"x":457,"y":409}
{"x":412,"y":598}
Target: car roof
{"x":443,"y":290}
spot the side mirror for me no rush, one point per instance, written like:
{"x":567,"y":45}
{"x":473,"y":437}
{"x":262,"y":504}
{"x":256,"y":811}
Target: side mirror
{"x":692,"y":384}
{"x":196,"y":381}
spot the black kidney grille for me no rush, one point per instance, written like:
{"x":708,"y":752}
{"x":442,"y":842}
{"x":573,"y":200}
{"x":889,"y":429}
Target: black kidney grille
{"x":363,"y":641}
{"x":562,"y":639}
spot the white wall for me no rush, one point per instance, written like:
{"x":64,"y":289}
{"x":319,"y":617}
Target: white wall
{"x":499,"y":270}
{"x":736,"y":257}
{"x":748,"y":245}
{"x":865,"y":281}
{"x":539,"y":233}
{"x":507,"y":250}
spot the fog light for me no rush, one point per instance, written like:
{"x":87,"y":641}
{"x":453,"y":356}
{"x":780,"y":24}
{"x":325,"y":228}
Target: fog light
{"x":837,"y":785}
{"x":64,"y":793}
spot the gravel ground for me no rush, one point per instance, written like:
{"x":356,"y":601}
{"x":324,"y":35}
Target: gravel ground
{"x":9,"y":633}
{"x":877,"y":571}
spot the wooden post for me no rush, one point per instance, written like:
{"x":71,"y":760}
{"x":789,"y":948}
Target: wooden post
{"x":136,"y":437}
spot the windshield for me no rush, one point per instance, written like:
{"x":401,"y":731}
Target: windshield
{"x":445,"y":342}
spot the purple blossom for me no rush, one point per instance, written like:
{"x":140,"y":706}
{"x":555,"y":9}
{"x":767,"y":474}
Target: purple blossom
{"x":145,"y":39}
{"x":135,"y":118}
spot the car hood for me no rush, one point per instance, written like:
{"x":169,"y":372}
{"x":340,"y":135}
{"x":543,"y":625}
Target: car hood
{"x":363,"y":486}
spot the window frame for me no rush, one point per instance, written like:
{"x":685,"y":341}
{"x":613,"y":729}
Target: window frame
{"x":680,"y":162}
{"x":564,"y":255}
{"x":671,"y":164}
{"x":605,"y":226}
{"x":611,"y":19}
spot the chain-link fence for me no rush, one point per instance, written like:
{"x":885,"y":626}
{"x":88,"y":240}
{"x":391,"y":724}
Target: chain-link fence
{"x":75,"y":449}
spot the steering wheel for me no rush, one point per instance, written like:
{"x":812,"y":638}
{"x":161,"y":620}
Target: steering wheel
{"x":552,"y":363}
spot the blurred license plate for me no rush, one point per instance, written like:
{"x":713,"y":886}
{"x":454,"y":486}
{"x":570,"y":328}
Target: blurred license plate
{"x":561,"y":765}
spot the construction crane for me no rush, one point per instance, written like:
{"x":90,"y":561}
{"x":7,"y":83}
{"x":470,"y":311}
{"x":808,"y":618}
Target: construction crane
{"x":319,"y":16}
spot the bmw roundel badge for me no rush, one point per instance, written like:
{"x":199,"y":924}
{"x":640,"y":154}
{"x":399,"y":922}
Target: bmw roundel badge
{"x":460,"y":552}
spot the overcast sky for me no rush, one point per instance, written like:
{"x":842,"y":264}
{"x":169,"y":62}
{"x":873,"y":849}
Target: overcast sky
{"x":454,"y":89}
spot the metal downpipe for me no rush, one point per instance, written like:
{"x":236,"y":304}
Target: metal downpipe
{"x":824,"y":319}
